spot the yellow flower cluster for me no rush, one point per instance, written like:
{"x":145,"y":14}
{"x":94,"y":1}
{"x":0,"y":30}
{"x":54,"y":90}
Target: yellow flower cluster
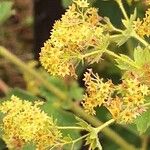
{"x":142,"y":27}
{"x":82,"y":3}
{"x":127,"y":104}
{"x":76,"y":33}
{"x":24,"y":122}
{"x":124,"y":101}
{"x":147,"y":2}
{"x":97,"y":91}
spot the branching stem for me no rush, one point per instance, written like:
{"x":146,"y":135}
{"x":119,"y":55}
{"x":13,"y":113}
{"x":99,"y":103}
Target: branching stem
{"x":112,"y":54}
{"x":136,"y":36}
{"x":106,"y":131}
{"x":70,"y":128}
{"x":75,"y":108}
{"x":119,"y":2}
{"x":121,"y":58}
{"x":98,"y":129}
{"x":25,"y":68}
{"x":144,"y":142}
{"x":73,"y":142}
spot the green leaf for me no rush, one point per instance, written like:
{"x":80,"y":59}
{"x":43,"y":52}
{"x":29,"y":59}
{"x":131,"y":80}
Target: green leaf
{"x":75,"y":91}
{"x":93,"y":141}
{"x":83,"y":124}
{"x":64,"y":118}
{"x":29,"y":147}
{"x":142,"y":56}
{"x":123,"y":64}
{"x":120,"y":39}
{"x":66,"y":3}
{"x":143,"y":122}
{"x":22,"y":94}
{"x":5,"y":10}
{"x":53,"y":107}
{"x":129,"y":23}
{"x":2,"y":145}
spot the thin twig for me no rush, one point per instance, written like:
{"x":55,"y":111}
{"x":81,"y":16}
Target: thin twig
{"x":4,"y":87}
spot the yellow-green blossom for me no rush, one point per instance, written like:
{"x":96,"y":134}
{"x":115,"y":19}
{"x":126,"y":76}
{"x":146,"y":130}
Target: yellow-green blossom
{"x":78,"y":31}
{"x":24,"y":122}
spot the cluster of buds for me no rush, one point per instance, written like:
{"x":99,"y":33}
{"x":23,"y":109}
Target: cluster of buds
{"x":124,"y":101}
{"x":34,"y":125}
{"x":78,"y":31}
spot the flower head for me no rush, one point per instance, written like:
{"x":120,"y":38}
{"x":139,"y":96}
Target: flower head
{"x":25,"y":122}
{"x":81,"y":3}
{"x":124,"y":101}
{"x":128,"y":104}
{"x":97,"y":91}
{"x":142,"y":27}
{"x":75,"y":34}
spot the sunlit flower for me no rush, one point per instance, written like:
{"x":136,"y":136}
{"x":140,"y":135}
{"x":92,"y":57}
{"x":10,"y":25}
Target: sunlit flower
{"x":131,"y":97}
{"x":142,"y":27}
{"x":75,"y":34}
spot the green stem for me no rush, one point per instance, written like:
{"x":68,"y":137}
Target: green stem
{"x":80,"y":138}
{"x":4,"y":87}
{"x":119,"y":2}
{"x":144,"y":142}
{"x":106,"y":131}
{"x":90,"y":54}
{"x":136,"y":36}
{"x":121,"y":58}
{"x":117,"y":30}
{"x":76,"y":109}
{"x":24,"y":67}
{"x":146,"y":104}
{"x":112,"y":54}
{"x":70,"y":128}
{"x":74,"y":141}
{"x":98,"y":129}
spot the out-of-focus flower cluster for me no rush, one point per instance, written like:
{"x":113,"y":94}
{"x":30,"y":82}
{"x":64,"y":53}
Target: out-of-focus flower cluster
{"x":32,"y":85}
{"x":147,"y":2}
{"x":124,"y":101}
{"x":78,"y":31}
{"x":142,"y":27}
{"x":24,"y":122}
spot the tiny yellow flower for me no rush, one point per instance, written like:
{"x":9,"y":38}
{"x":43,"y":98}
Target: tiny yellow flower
{"x":81,"y":3}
